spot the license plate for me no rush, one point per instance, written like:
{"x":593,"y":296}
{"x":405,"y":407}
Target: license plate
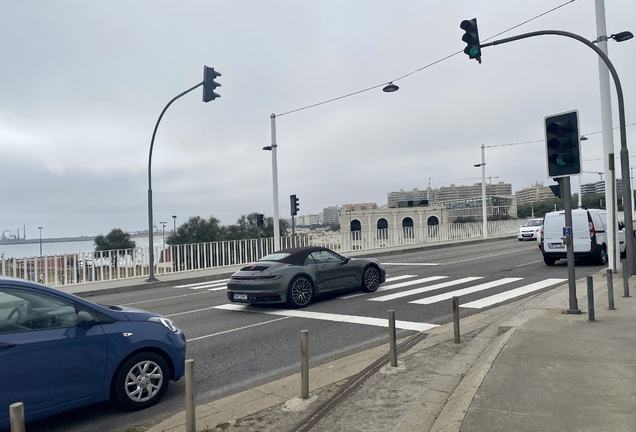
{"x":556,"y":246}
{"x":240,"y":296}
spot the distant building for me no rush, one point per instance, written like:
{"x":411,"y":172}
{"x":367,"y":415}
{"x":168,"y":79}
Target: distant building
{"x":534,"y":194}
{"x":330,"y":215}
{"x":599,"y":187}
{"x":447,"y":194}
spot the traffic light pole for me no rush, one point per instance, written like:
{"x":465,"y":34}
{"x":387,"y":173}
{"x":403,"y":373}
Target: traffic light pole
{"x":627,"y":191}
{"x":566,"y":193}
{"x":151,"y":251}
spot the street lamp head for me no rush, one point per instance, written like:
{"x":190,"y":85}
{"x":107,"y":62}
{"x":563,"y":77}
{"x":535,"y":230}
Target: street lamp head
{"x":622,"y":36}
{"x":390,"y":88}
{"x":478,"y":165}
{"x":584,"y":138}
{"x":267,"y":148}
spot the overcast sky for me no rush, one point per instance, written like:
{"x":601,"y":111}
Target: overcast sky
{"x":82,"y":84}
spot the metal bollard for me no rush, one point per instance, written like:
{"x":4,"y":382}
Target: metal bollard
{"x":392,"y":338}
{"x":304,"y":364}
{"x":16,"y":416}
{"x":456,"y":318}
{"x":191,"y":419}
{"x":610,"y":290}
{"x":625,"y":280}
{"x":590,"y":298}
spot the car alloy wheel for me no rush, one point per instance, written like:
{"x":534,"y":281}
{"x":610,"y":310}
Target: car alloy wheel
{"x":370,"y":279}
{"x":301,"y":292}
{"x":141,"y":381}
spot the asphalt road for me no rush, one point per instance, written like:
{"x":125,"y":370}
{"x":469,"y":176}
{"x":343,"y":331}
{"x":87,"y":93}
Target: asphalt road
{"x":237,"y":347}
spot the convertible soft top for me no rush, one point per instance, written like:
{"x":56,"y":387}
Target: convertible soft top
{"x":297,"y":256}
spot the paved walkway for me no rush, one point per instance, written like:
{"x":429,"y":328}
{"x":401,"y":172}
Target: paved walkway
{"x":523,"y":366}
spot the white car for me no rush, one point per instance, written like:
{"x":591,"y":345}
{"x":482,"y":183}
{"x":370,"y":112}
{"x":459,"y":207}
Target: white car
{"x":530,"y":230}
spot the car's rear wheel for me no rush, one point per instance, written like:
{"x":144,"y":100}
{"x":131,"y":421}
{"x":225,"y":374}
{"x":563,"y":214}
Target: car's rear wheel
{"x":141,"y":381}
{"x":601,"y":258}
{"x":370,"y":279}
{"x":301,"y":292}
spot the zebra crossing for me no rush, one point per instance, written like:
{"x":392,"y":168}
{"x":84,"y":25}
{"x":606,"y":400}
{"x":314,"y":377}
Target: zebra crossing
{"x":409,"y":286}
{"x":423,"y":286}
{"x":216,"y":285}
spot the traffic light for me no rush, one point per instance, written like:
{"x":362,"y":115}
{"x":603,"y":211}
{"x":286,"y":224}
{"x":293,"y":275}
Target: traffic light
{"x":556,"y":189}
{"x":209,"y":75}
{"x":471,"y":37}
{"x":294,"y":205}
{"x":259,"y":220}
{"x":563,"y":145}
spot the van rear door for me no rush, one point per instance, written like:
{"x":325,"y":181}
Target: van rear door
{"x":581,"y":231}
{"x":553,"y":232}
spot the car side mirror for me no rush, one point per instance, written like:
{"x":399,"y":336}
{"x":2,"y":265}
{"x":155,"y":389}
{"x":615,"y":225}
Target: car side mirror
{"x":346,"y":259}
{"x":85,"y":319}
{"x":621,"y":226}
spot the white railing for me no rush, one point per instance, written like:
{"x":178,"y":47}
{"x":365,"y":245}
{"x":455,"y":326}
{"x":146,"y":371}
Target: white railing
{"x":87,"y":267}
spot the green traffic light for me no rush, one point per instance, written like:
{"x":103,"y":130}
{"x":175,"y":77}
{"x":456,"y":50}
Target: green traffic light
{"x":474,"y":52}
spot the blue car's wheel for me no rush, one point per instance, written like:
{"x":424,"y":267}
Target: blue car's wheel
{"x":370,"y":279}
{"x":301,"y":292}
{"x":141,"y":381}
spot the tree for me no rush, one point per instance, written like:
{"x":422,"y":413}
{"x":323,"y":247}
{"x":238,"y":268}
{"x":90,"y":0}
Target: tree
{"x":197,"y":230}
{"x":115,"y":240}
{"x":335,"y":226}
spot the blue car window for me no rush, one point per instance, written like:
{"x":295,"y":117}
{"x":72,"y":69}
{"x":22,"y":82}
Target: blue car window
{"x":22,"y":311}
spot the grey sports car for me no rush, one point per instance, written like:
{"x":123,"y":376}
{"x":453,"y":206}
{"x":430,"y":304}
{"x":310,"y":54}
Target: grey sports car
{"x":296,"y":276}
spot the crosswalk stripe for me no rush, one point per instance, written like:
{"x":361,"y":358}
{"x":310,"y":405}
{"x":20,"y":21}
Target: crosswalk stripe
{"x":469,"y":290}
{"x":397,"y":285}
{"x":498,"y":298}
{"x":202,"y":285}
{"x":397,"y":278}
{"x":424,"y":289}
{"x":351,"y":319}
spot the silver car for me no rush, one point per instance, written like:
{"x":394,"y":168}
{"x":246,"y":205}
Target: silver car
{"x":296,"y":276}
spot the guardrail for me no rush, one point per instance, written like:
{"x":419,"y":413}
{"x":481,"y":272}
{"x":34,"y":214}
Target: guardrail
{"x":87,"y":267}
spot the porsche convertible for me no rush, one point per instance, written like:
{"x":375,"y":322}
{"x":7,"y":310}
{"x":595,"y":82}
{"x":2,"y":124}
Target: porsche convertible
{"x":298,"y":275}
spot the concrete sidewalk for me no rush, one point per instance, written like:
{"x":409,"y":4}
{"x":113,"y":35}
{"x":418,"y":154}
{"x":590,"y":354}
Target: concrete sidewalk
{"x":523,"y":366}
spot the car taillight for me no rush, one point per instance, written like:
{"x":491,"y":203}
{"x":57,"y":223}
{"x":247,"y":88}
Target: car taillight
{"x":592,"y":234}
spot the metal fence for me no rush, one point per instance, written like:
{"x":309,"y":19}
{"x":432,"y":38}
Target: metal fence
{"x":87,"y":267}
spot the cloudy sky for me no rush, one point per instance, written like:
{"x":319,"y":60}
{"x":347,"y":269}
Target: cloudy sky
{"x":82,"y":84}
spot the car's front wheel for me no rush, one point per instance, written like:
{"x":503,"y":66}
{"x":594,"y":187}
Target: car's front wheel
{"x":141,"y":381}
{"x":370,"y":279}
{"x":301,"y":292}
{"x":548,"y":260}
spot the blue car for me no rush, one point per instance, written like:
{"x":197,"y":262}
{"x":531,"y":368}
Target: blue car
{"x":59,"y":352}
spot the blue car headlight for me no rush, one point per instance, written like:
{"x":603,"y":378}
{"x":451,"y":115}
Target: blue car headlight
{"x":168,"y":323}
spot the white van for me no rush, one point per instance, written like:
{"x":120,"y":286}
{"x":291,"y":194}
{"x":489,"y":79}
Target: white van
{"x":588,"y":233}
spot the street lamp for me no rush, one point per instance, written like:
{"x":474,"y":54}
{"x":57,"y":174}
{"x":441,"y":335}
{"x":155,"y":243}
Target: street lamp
{"x":484,"y":214}
{"x":40,"y":228}
{"x":174,"y":226}
{"x":390,"y":88}
{"x":272,"y":148}
{"x":163,"y":235}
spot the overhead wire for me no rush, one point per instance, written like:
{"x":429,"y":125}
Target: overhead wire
{"x":423,"y":67}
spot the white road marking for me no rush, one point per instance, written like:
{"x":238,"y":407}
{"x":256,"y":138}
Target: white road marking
{"x":351,"y":319}
{"x":397,"y":278}
{"x":202,"y":285}
{"x":411,"y":264}
{"x":398,"y":285}
{"x":449,"y":295}
{"x":424,"y":289}
{"x":236,"y":329}
{"x":498,"y":298}
{"x":163,"y":298}
{"x":530,"y":263}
